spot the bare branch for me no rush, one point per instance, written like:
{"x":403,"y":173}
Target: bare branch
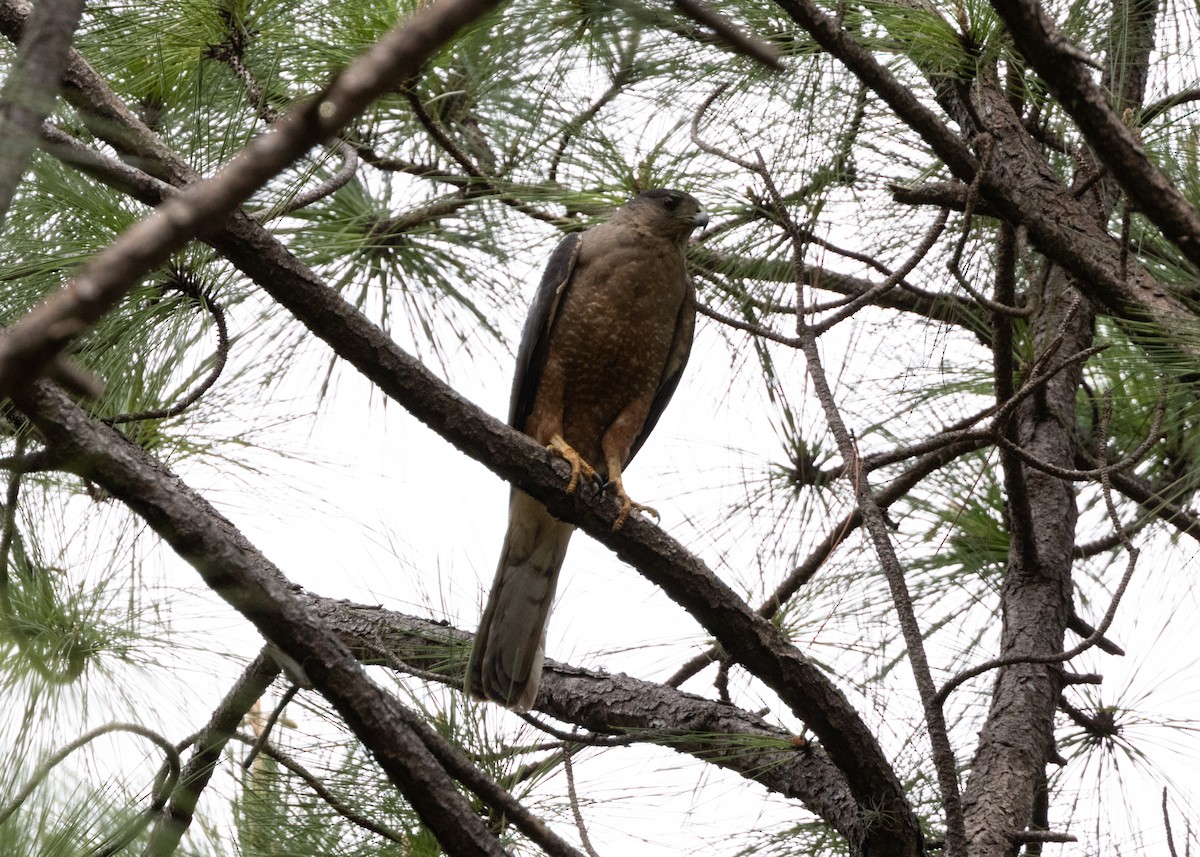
{"x":573,"y":798}
{"x":257,"y":744}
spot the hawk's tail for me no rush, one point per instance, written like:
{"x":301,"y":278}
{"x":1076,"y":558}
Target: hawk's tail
{"x":506,"y":663}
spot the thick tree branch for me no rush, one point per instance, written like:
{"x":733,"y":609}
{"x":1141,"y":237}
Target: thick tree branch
{"x":713,"y":732}
{"x":618,"y":704}
{"x":237,"y":572}
{"x":1109,"y":135}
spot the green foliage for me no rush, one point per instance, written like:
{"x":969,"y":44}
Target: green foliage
{"x":537,"y":121}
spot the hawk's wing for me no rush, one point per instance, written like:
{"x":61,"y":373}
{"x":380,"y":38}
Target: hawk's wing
{"x":535,"y":339}
{"x":681,"y":349}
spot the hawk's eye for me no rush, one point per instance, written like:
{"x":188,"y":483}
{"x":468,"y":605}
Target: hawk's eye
{"x":670,"y":203}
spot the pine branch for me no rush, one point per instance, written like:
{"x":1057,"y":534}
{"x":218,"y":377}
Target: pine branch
{"x":1019,"y":186}
{"x":41,"y":335}
{"x":616,"y":704}
{"x":766,"y":652}
{"x":1109,"y":135}
{"x":237,"y":572}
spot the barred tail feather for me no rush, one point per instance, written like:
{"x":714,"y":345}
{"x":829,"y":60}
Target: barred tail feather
{"x":506,"y":662}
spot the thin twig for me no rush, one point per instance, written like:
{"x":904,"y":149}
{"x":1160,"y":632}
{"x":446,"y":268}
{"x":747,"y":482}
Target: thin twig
{"x":755,"y":329}
{"x":265,"y":733}
{"x":873,"y":520}
{"x":1151,"y":111}
{"x":1167,"y":824}
{"x":1059,"y":657}
{"x":323,"y":792}
{"x":620,"y":79}
{"x":1128,"y":462}
{"x":590,"y":738}
{"x":906,"y":267}
{"x":573,"y":798}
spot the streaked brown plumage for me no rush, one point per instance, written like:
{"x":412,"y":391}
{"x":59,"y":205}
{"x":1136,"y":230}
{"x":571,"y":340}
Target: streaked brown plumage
{"x":605,"y":343}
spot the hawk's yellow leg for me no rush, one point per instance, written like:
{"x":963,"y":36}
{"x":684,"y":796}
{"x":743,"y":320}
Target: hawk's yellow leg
{"x":573,"y":458}
{"x":627,"y":505}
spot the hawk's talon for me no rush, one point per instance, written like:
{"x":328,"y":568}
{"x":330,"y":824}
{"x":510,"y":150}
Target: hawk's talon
{"x":561,"y":448}
{"x":628,"y":506}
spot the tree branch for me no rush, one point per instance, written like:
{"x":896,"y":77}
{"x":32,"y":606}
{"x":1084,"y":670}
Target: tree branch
{"x":765,"y":651}
{"x":607,"y":703}
{"x":175,"y":819}
{"x":236,"y":571}
{"x":1109,"y":136}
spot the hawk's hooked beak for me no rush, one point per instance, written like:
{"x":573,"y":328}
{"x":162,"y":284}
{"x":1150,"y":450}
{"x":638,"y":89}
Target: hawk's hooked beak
{"x":700,"y":218}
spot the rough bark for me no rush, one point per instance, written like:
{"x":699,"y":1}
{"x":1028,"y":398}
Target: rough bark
{"x":1109,"y":135}
{"x":1017,"y":739}
{"x":617,"y":704}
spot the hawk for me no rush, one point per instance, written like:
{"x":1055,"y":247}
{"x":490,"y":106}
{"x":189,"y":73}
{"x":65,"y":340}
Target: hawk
{"x":605,"y":343}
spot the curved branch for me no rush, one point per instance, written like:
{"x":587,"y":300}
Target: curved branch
{"x":1093,"y":639}
{"x":163,"y":785}
{"x":219,"y":359}
{"x":321,"y":790}
{"x":906,"y":267}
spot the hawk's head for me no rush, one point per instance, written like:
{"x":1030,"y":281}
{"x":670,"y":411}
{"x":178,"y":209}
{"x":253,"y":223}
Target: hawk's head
{"x":669,"y":212}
